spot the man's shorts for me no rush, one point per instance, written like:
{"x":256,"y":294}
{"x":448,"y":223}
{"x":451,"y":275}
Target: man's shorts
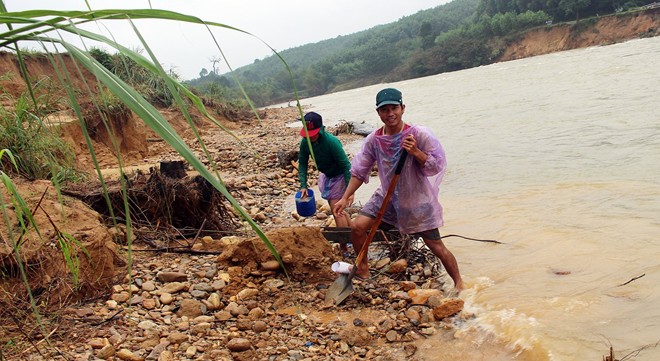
{"x":431,"y":234}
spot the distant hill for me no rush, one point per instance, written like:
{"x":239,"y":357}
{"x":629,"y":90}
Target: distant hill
{"x":454,"y":36}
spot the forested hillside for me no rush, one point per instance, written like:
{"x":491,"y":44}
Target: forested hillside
{"x":458,"y":35}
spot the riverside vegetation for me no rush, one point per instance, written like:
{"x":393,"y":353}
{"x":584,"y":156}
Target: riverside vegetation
{"x":458,"y":35}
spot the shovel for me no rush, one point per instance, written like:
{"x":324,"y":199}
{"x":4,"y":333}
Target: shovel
{"x":343,"y":286}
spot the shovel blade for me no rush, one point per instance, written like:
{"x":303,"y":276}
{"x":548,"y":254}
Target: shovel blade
{"x":343,"y":294}
{"x":339,"y":290}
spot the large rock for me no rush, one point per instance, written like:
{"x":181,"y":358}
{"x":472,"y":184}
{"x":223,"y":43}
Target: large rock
{"x":361,"y":127}
{"x":449,"y":307}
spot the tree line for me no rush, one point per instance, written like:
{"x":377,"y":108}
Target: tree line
{"x":458,"y":35}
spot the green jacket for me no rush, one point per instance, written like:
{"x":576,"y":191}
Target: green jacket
{"x":331,"y":159}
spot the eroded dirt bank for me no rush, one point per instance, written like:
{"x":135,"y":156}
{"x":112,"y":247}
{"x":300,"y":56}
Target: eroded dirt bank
{"x":604,"y":30}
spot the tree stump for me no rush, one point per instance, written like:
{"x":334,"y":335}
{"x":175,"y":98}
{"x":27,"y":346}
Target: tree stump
{"x":173,"y":169}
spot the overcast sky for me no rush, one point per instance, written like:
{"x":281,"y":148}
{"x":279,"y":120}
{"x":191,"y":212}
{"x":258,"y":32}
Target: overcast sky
{"x":283,"y":24}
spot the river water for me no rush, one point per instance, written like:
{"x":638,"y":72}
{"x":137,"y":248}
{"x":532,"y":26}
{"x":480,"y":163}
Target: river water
{"x":557,"y":156}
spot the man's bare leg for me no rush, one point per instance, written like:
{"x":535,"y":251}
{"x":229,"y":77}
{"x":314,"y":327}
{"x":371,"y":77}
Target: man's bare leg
{"x":448,"y":260}
{"x":359,"y":228}
{"x":340,"y":221}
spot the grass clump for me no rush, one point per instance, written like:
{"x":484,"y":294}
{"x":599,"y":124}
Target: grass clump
{"x":39,"y":150}
{"x":147,"y":83}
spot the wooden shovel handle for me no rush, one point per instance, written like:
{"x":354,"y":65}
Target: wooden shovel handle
{"x":381,"y":211}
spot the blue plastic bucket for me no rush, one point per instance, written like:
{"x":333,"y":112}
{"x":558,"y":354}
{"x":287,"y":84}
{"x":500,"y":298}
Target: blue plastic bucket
{"x":306,"y":206}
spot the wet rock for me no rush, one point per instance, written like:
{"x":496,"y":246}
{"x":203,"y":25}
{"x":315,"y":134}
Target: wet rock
{"x":149,"y":303}
{"x":203,"y":286}
{"x":177,"y":337}
{"x":174,"y":287}
{"x":148,"y":286}
{"x":135,"y":300}
{"x":201,"y":328}
{"x":356,"y":337}
{"x":271,"y":265}
{"x":157,"y":351}
{"x":148,"y":325}
{"x":128,"y":355}
{"x":428,"y":331}
{"x":247,"y":293}
{"x":191,"y":351}
{"x":391,"y":336}
{"x":218,"y":284}
{"x":381,"y":263}
{"x":223,"y":315}
{"x":256,"y":313}
{"x":111,"y":304}
{"x":449,"y":307}
{"x":407,"y":286}
{"x":200,"y":319}
{"x":413,"y":316}
{"x":172,"y":277}
{"x":97,"y":343}
{"x":259,"y":326}
{"x":235,"y":309}
{"x":214,"y":302}
{"x":166,"y":298}
{"x":199,"y":294}
{"x":420,"y":296}
{"x":273,"y":283}
{"x":106,"y":352}
{"x":191,"y":308}
{"x":410,"y":349}
{"x":239,"y":344}
{"x":120,"y":297}
{"x":399,"y":266}
{"x":166,"y":356}
{"x":435,"y":300}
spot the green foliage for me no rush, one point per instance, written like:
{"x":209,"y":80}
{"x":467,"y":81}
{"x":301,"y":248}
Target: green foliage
{"x":376,"y":54}
{"x":69,"y":246}
{"x":559,"y":10}
{"x":151,"y":86}
{"x":148,"y":84}
{"x":109,"y":103}
{"x":102,"y":57}
{"x":426,"y":33}
{"x":573,"y":7}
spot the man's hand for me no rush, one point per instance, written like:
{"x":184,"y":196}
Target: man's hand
{"x":410,"y":144}
{"x":338,"y":210}
{"x":303,"y":193}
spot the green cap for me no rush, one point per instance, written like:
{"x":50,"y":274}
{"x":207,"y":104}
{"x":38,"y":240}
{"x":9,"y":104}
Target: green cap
{"x":388,"y":96}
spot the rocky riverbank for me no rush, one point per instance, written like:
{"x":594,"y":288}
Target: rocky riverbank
{"x":226,"y":298}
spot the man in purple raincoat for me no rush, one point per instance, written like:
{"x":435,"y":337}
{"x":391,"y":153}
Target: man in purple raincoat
{"x":414,"y":207}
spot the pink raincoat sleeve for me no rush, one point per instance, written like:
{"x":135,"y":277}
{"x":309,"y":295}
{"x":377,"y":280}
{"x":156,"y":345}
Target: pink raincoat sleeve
{"x":414,"y":206}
